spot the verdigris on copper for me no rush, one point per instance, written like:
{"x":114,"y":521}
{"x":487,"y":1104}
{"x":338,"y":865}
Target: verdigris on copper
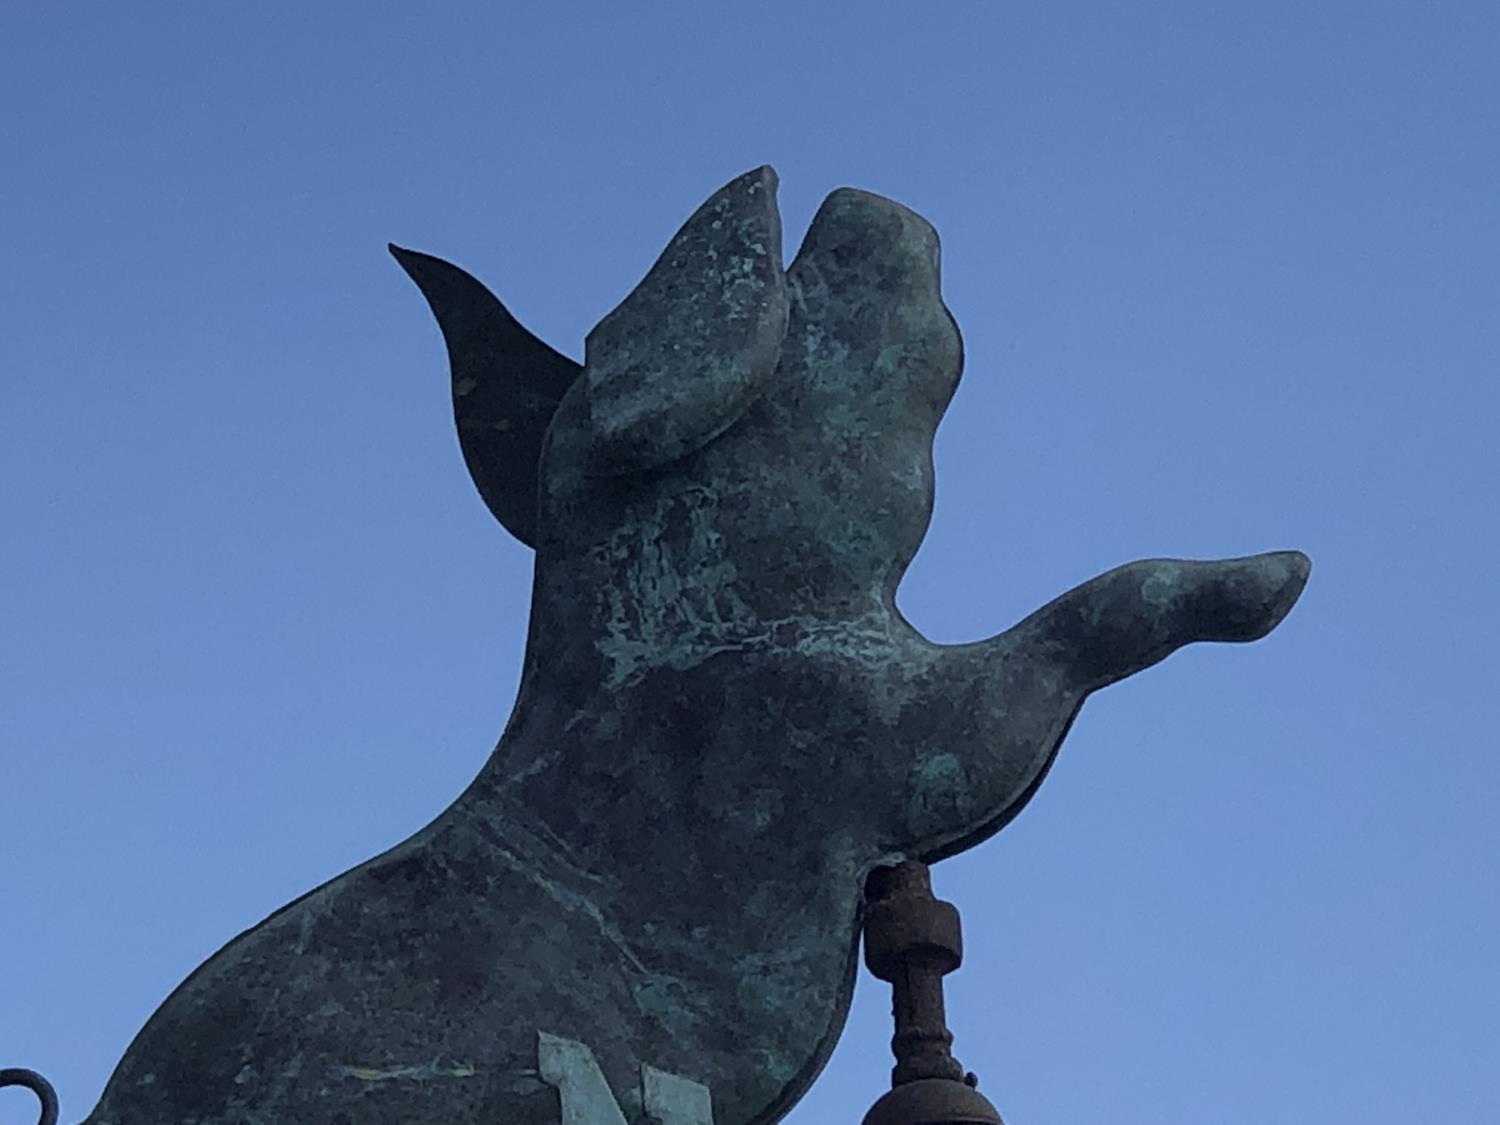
{"x":723,"y":723}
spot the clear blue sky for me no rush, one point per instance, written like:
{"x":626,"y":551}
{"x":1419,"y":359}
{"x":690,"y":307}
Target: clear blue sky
{"x":1228,"y":276}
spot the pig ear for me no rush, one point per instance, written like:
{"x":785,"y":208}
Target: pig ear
{"x":698,"y":339}
{"x":506,"y":386}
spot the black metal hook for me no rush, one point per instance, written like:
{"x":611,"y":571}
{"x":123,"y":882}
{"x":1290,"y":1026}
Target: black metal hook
{"x":20,"y":1076}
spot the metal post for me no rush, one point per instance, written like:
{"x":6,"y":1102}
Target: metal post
{"x":912,"y":940}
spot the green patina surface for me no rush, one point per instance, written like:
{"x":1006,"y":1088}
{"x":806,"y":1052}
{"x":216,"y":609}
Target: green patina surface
{"x":724,"y":722}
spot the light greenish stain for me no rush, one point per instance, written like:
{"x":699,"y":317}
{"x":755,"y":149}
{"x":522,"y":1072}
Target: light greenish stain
{"x":936,"y":789}
{"x":1158,"y":590}
{"x":420,"y":1072}
{"x":685,"y":602}
{"x":890,"y":359}
{"x":659,"y":996}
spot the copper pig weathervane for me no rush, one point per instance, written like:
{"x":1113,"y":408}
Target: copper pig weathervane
{"x":647,"y":903}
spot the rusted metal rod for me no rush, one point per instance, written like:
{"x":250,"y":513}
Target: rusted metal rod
{"x":912,"y":941}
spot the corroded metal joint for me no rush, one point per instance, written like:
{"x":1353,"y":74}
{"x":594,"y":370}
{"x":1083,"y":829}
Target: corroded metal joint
{"x":904,"y":923}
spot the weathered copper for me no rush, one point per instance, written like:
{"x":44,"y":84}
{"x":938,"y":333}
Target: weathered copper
{"x":724,"y":722}
{"x":913,"y":940}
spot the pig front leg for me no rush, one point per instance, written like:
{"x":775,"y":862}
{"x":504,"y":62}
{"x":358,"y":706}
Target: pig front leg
{"x":975,"y":736}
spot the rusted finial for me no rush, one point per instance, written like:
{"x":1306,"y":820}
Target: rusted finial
{"x":912,"y":940}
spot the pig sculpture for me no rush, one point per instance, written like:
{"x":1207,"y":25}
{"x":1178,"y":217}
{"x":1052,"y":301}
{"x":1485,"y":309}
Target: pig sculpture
{"x":723,"y":724}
